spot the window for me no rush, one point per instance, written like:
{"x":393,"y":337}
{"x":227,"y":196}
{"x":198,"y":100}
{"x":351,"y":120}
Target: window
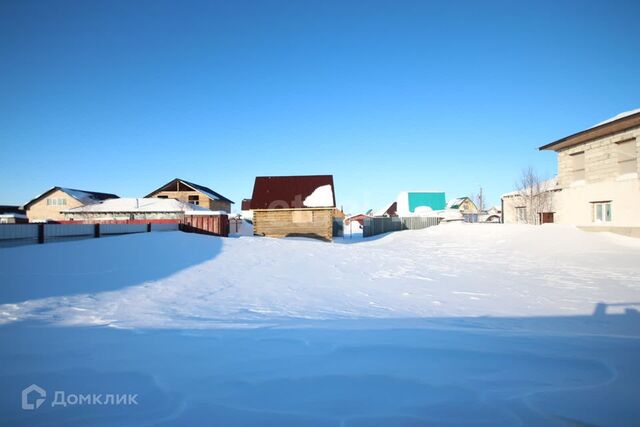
{"x":194,"y":200}
{"x":577,"y":166}
{"x":521,"y":214}
{"x":627,"y":157}
{"x":163,"y":197}
{"x":56,"y":202}
{"x":601,"y":211}
{"x":302,"y":217}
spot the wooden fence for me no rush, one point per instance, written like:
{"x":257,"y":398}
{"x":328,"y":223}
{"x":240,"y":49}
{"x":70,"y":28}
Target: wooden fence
{"x":379,"y":225}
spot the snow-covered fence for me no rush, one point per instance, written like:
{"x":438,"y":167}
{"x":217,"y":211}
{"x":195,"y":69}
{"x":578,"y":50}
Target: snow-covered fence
{"x":379,"y":225}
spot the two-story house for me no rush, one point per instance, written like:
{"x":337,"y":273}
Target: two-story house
{"x":598,"y":182}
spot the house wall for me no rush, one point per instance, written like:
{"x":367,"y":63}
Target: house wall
{"x":204,"y":200}
{"x":468,"y":206}
{"x":509,"y":209}
{"x":40,"y":211}
{"x":286,"y":222}
{"x":603,"y":181}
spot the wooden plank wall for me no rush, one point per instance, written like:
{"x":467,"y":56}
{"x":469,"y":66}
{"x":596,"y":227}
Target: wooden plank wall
{"x":279,"y":223}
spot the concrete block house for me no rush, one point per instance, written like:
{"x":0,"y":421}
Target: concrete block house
{"x":195,"y":194}
{"x":597,"y":187}
{"x":294,"y":206}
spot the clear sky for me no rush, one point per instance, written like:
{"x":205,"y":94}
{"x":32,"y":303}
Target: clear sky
{"x":122,"y":96}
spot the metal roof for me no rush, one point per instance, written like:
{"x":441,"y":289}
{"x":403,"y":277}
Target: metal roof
{"x":83,"y":196}
{"x":288,"y":192}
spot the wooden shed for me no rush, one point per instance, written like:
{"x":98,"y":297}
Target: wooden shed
{"x":287,"y":206}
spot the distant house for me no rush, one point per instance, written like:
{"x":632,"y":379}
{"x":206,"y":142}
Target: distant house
{"x":195,"y":194}
{"x":134,"y":209}
{"x":12,"y":215}
{"x":531,"y":205}
{"x":359,"y":218}
{"x":463,"y":204}
{"x":49,"y":205}
{"x":390,"y":210}
{"x":411,"y":203}
{"x":293,"y":206}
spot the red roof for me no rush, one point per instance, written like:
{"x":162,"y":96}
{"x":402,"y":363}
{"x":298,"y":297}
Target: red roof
{"x":286,"y":192}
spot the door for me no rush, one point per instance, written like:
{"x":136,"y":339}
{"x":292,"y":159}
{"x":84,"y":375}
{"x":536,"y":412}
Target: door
{"x":546,"y":217}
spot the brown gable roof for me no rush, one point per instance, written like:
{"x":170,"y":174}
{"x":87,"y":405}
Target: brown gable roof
{"x":598,"y":131}
{"x":283,"y":192}
{"x":197,"y":187}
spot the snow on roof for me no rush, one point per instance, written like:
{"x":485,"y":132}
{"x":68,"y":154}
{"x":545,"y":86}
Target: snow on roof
{"x":617,"y":117}
{"x":548,"y":185}
{"x":139,"y":205}
{"x":455,"y":202}
{"x":292,"y":192}
{"x":83,"y":196}
{"x":321,"y":197}
{"x":13,"y":215}
{"x":86,"y":197}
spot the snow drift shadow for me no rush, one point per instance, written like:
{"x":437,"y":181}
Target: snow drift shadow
{"x":99,"y":264}
{"x":552,"y":371}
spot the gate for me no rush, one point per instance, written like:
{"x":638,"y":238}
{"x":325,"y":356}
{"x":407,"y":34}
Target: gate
{"x":217,"y":225}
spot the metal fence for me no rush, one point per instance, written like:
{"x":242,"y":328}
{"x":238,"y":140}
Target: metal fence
{"x":380,"y":225}
{"x":338,"y":227}
{"x":24,"y":234}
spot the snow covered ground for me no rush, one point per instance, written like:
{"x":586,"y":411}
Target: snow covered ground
{"x":460,"y":324}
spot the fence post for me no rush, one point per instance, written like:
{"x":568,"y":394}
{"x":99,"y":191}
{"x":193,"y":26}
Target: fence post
{"x":96,"y":230}
{"x":40,"y":233}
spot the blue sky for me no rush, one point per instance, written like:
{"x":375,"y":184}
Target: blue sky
{"x":122,"y":96}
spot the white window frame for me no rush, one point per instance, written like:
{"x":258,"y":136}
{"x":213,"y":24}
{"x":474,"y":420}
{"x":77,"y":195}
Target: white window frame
{"x":599,"y":212}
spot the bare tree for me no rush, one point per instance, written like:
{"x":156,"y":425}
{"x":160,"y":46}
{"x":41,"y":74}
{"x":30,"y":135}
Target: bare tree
{"x":478,"y":199}
{"x":535,"y":195}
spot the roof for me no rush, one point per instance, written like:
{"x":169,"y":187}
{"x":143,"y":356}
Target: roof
{"x":201,"y":188}
{"x":389,"y":209}
{"x":11,"y":209}
{"x":293,"y":192}
{"x":245,"y":205}
{"x":83,"y":196}
{"x":137,"y":205}
{"x":548,"y":185}
{"x":455,"y":203}
{"x":618,"y":123}
{"x":433,"y":199}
